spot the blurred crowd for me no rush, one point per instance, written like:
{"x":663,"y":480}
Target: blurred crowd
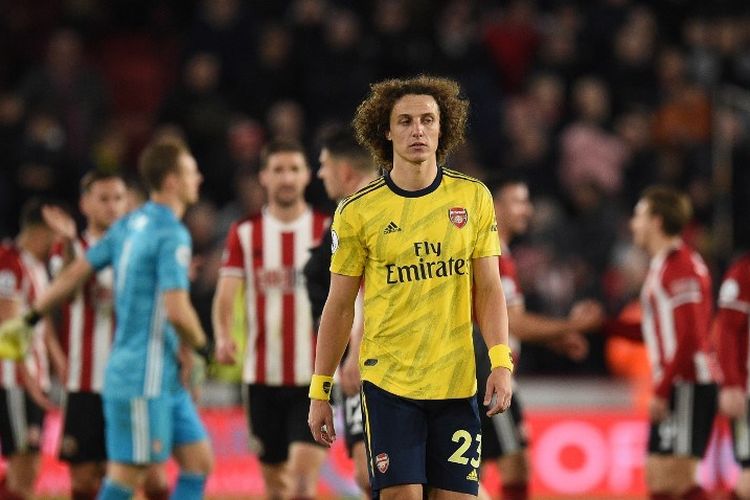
{"x":590,"y":100}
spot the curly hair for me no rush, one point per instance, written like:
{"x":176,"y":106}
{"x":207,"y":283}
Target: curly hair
{"x":373,"y":115}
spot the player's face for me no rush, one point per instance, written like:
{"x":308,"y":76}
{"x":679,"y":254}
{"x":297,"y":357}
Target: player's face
{"x":641,"y":224}
{"x":513,"y":208}
{"x":415,"y":128}
{"x":190,"y":179}
{"x":104,"y":202}
{"x":332,"y":175}
{"x":285,"y":177}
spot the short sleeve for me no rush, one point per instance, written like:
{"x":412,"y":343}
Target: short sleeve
{"x":11,"y":276}
{"x":232,"y":261}
{"x":348,"y":252}
{"x":101,"y":254}
{"x":175,"y":254}
{"x":735,"y":291}
{"x":488,"y":240}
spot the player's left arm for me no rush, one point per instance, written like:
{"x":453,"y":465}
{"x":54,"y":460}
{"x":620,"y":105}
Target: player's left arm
{"x":491,"y":314}
{"x":182,"y":315}
{"x":175,"y":255}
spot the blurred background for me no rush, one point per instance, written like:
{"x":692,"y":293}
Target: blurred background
{"x":590,"y":100}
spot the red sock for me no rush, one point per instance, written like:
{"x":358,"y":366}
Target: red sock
{"x":660,"y":496}
{"x":83,"y":495}
{"x":515,"y":491}
{"x":695,"y":493}
{"x":160,"y":494}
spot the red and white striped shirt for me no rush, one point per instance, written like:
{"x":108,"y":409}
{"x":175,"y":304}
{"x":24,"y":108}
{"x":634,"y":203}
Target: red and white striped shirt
{"x":23,"y":277}
{"x":676,"y":302}
{"x":88,"y":324}
{"x":269,"y":255}
{"x":732,"y":325}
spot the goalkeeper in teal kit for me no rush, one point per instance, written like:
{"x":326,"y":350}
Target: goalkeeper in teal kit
{"x":148,"y":413}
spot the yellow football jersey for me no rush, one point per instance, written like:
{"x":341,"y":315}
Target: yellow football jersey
{"x":415,"y":251}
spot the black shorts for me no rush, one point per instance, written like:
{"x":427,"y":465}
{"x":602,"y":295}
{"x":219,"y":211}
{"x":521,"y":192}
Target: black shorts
{"x":504,"y":433}
{"x":741,"y":440}
{"x":353,"y":430}
{"x":687,"y":430}
{"x":83,"y":429}
{"x":21,"y":422}
{"x":277,"y":417}
{"x":431,"y":442}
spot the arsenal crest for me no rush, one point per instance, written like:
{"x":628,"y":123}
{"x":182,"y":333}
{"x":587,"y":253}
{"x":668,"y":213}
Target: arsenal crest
{"x":458,"y":216}
{"x":382,"y":462}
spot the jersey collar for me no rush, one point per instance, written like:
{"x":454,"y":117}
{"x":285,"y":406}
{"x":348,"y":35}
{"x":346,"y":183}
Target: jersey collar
{"x":419,"y":192}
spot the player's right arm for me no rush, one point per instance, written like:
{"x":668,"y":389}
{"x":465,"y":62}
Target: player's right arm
{"x":64,"y":285}
{"x":333,"y":335}
{"x":222,"y":315}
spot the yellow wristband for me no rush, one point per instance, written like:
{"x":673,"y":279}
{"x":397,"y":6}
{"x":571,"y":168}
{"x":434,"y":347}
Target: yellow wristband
{"x":320,"y":387}
{"x":501,"y":356}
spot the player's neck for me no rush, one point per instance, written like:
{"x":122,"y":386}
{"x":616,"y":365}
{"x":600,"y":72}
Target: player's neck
{"x":287,"y":213}
{"x":174,"y":203}
{"x":413,"y":176}
{"x":94,"y":231}
{"x":661,"y":243}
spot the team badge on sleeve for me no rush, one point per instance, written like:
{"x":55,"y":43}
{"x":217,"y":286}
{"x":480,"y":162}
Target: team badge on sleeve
{"x":334,"y":241}
{"x":458,"y":216}
{"x":183,"y":255}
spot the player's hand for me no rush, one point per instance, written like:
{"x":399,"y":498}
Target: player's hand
{"x":658,"y":409}
{"x":499,"y":390}
{"x":320,"y":420}
{"x":34,"y":390}
{"x":226,"y":350}
{"x":59,"y":221}
{"x":574,"y":345}
{"x":587,"y":315}
{"x":14,"y":338}
{"x":733,"y":402}
{"x":350,"y":377}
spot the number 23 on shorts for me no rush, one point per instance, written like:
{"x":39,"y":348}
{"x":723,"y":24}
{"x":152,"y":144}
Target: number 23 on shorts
{"x":464,"y":439}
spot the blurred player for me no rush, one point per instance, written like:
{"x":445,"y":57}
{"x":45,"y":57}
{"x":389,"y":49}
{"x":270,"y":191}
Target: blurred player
{"x":345,"y":167}
{"x":148,"y":413}
{"x":86,"y":329}
{"x":733,"y":334}
{"x":25,"y":378}
{"x":265,"y":255}
{"x":424,"y":239}
{"x":676,"y":304}
{"x":503,"y":435}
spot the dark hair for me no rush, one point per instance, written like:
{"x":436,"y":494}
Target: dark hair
{"x":372,"y":118}
{"x":341,"y":143}
{"x":93,"y":176}
{"x":280,"y":146}
{"x":504,"y":179}
{"x":31,"y":213}
{"x":160,"y":159}
{"x":672,"y":205}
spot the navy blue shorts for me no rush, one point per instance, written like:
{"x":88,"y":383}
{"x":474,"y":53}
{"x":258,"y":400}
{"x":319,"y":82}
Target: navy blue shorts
{"x":432,"y":442}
